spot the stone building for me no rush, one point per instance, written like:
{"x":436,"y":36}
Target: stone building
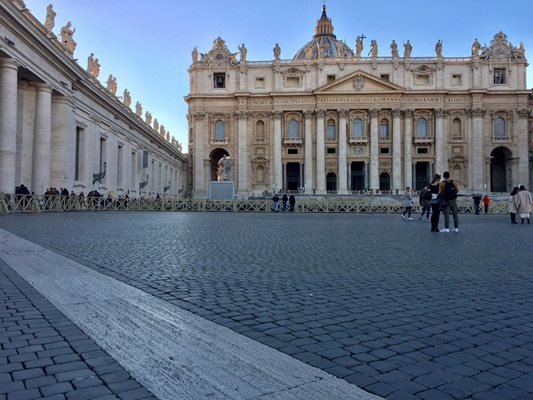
{"x":59,"y":127}
{"x":331,"y":120}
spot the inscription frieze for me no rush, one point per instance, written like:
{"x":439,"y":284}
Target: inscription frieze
{"x":358,"y":99}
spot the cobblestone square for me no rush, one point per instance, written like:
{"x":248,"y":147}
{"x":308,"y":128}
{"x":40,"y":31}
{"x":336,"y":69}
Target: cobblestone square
{"x":380,"y":302}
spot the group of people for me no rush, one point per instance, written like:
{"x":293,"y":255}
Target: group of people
{"x":477,"y":203}
{"x":439,"y":195}
{"x":290,"y":199}
{"x":520,"y":203}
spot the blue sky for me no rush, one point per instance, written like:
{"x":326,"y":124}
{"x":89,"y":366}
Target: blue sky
{"x":147,"y":44}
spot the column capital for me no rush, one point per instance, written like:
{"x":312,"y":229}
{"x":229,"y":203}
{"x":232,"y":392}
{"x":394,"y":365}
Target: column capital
{"x":477,"y":112}
{"x":440,"y":113}
{"x":320,"y":113}
{"x":374,"y":113}
{"x":199,"y":116}
{"x":342,"y":113}
{"x":396,"y":112}
{"x":523,"y":113}
{"x":9,"y":63}
{"x":42,"y":87}
{"x":308,"y":114}
{"x":242,"y":114}
{"x":408,"y":113}
{"x":276,"y":114}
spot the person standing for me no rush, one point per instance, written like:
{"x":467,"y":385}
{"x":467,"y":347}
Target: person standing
{"x":284,"y":200}
{"x":407,"y":203}
{"x":424,"y":200}
{"x":523,"y":203}
{"x":435,"y":202}
{"x":292,"y":202}
{"x":486,"y":202}
{"x":275,"y":199}
{"x":477,"y":203}
{"x":512,"y":205}
{"x":448,"y":190}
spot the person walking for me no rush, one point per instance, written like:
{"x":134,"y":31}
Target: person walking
{"x":512,"y":205}
{"x":477,"y":202}
{"x":486,"y":202}
{"x":523,"y":204}
{"x":424,"y":200}
{"x":407,"y":203}
{"x":448,"y":191}
{"x":435,"y":202}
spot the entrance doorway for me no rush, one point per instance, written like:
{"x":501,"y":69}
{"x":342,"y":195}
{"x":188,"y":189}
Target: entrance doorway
{"x":357,"y":171}
{"x":500,"y":170}
{"x":422,"y":177}
{"x":384,"y":181}
{"x":292,"y":172}
{"x":331,"y":182}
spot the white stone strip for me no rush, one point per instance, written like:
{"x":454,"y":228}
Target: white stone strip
{"x":172,"y":352}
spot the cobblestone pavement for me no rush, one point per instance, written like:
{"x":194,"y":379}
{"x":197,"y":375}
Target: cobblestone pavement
{"x":382,"y":303}
{"x":44,"y":355}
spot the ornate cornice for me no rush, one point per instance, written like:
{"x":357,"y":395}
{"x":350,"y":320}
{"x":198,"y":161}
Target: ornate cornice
{"x":478,"y":112}
{"x":242,"y":114}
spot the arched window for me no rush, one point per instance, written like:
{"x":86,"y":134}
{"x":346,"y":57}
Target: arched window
{"x":293,"y":131}
{"x":499,"y":128}
{"x":421,"y":127}
{"x":260,"y":130}
{"x":457,"y":132}
{"x":384,"y":129}
{"x":357,"y":127}
{"x":220,"y":130}
{"x":331,"y":130}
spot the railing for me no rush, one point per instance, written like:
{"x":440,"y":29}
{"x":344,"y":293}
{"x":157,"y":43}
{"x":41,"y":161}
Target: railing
{"x":358,"y":139}
{"x":292,"y":140}
{"x":501,"y":139}
{"x":423,"y":139}
{"x":349,"y":204}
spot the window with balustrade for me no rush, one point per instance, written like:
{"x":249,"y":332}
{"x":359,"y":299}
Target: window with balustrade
{"x":384,"y":129}
{"x":357,"y":131}
{"x":421,"y":128}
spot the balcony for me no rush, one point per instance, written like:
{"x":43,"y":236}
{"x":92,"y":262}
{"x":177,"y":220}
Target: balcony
{"x":423,"y":139}
{"x":292,"y":141}
{"x":218,"y":142}
{"x":501,"y":139}
{"x":358,"y":139}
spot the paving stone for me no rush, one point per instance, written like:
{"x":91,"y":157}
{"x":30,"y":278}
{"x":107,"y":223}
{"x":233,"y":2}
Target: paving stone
{"x":40,"y":381}
{"x":29,"y":394}
{"x":92,"y":392}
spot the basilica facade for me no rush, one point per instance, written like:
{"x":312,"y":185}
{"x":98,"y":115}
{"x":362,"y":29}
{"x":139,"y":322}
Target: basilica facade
{"x":61,"y":128}
{"x":333,"y":121}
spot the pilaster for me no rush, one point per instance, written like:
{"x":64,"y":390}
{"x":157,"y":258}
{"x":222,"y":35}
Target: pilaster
{"x":200,"y":137}
{"x":320,"y":155}
{"x":276,"y":115}
{"x":374,"y":160}
{"x":308,"y":149}
{"x":343,"y":177}
{"x":242,"y":166}
{"x":396,"y":150}
{"x":408,"y":147}
{"x":439,"y":141}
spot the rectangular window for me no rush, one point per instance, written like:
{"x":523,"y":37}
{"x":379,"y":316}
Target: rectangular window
{"x":384,"y":150}
{"x":102,"y":153}
{"x":422,"y":79}
{"x":385,"y":77}
{"x":79,"y":154}
{"x":292,"y":151}
{"x":331,"y":150}
{"x":133,"y":169}
{"x":500,"y":76}
{"x":219,"y":80}
{"x":457,"y":79}
{"x":259,"y":83}
{"x":120,"y":156}
{"x":422,"y":150}
{"x":330,"y":79}
{"x":293,"y":81}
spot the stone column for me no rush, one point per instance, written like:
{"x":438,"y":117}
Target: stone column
{"x":477,"y":164}
{"x":396,"y":150}
{"x":25,"y":125}
{"x":62,"y":143}
{"x":343,"y":174}
{"x":277,"y":152}
{"x":320,"y":156}
{"x":408,"y":146}
{"x":242,"y":166}
{"x":42,"y":139}
{"x":308,"y":149}
{"x":523,"y":154}
{"x":8,"y":124}
{"x":200,"y":136}
{"x":374,"y":161}
{"x":440,"y":164}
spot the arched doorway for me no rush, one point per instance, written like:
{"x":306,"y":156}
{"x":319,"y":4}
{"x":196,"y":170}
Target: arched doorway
{"x":501,"y":179}
{"x":215,"y":157}
{"x":331,"y":182}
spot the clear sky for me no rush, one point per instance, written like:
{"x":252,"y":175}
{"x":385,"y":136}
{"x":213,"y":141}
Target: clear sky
{"x":147,"y":45}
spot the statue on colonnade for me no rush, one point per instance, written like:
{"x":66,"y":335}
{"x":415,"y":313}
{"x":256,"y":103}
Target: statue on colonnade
{"x":50,"y":20}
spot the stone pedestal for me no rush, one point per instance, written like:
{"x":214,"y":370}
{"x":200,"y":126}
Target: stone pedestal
{"x":222,"y":190}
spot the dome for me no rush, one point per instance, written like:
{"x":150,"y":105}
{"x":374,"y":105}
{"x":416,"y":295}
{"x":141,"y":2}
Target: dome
{"x":324,"y":42}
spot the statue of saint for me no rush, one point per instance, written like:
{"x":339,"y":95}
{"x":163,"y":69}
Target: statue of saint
{"x":277,"y":52}
{"x":407,"y":49}
{"x":66,"y":37}
{"x":114,"y":87}
{"x":243,"y":53}
{"x":148,"y":117}
{"x":394,"y":49}
{"x":168,"y":136}
{"x":162,"y":130}
{"x":438,"y":49}
{"x":90,"y":63}
{"x":49,"y":22}
{"x":308,"y":52}
{"x":341,"y":51}
{"x":95,"y":71}
{"x":127,"y":98}
{"x":110,"y":83}
{"x":373,"y":48}
{"x":475,"y":48}
{"x":358,"y":46}
{"x":224,"y":170}
{"x":521,"y":51}
{"x":138,"y":109}
{"x":156,"y":125}
{"x":194,"y":55}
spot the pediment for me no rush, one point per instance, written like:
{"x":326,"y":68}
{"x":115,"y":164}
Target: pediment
{"x":359,"y":82}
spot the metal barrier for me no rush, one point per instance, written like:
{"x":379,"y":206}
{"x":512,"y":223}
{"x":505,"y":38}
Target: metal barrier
{"x":10,"y":203}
